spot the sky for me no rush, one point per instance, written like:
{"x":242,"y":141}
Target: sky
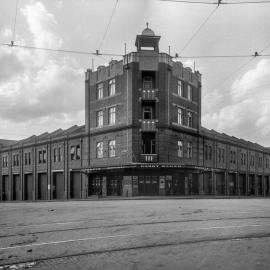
{"x":43,"y":91}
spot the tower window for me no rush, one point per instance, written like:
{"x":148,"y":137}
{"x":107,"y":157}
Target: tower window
{"x":112,"y":115}
{"x":180,"y":149}
{"x":100,"y":118}
{"x":189,"y":150}
{"x":189,"y":92}
{"x":100,"y":91}
{"x":180,"y":115}
{"x":112,"y":148}
{"x":179,"y":88}
{"x":111,"y":87}
{"x":147,"y":113}
{"x":147,"y":83}
{"x":100,"y":150}
{"x":189,"y":119}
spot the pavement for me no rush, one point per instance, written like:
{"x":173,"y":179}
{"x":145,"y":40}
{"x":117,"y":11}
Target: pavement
{"x":136,"y":234}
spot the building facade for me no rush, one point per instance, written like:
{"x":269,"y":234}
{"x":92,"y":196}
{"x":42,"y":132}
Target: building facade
{"x":142,"y":136}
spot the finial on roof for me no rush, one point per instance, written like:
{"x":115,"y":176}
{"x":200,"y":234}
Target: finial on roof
{"x":147,"y":25}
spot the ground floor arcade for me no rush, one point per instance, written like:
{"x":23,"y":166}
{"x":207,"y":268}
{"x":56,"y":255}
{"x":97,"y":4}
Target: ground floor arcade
{"x":81,"y":184}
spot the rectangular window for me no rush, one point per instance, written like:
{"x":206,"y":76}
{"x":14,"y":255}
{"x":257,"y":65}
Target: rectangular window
{"x":78,"y":151}
{"x":100,"y":118}
{"x":189,"y":92}
{"x":72,"y":152}
{"x":29,"y":158}
{"x":180,"y":88}
{"x":219,"y":155}
{"x":100,"y":91}
{"x":5,"y":161}
{"x":44,"y":156}
{"x":100,"y":150}
{"x":60,"y":157}
{"x":189,"y":119}
{"x":153,"y":146}
{"x":180,"y":116}
{"x":206,"y":152}
{"x":147,"y":113}
{"x":147,"y":83}
{"x":260,"y":162}
{"x":210,"y":152}
{"x":251,"y":160}
{"x":223,"y":155}
{"x":112,"y":148}
{"x":75,"y":152}
{"x":180,"y":149}
{"x":55,"y":155}
{"x":25,"y":158}
{"x":39,"y":157}
{"x":112,"y":113}
{"x":111,"y":87}
{"x":189,"y":150}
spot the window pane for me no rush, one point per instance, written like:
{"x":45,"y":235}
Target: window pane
{"x":180,"y":116}
{"x":180,"y":149}
{"x":112,"y":87}
{"x":112,"y":115}
{"x":112,"y":148}
{"x":180,"y":88}
{"x":100,"y":91}
{"x":100,"y":150}
{"x":100,"y":118}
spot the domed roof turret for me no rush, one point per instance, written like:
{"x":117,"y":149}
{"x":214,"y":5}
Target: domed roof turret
{"x":147,"y":31}
{"x":147,"y":40}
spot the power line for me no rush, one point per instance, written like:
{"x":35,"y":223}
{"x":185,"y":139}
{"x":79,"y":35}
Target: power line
{"x":15,"y":21}
{"x":241,"y":67}
{"x":217,"y":3}
{"x":59,"y":50}
{"x":198,"y":30}
{"x":120,"y":55}
{"x":108,"y":25}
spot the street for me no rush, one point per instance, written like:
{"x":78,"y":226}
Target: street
{"x":136,"y":234}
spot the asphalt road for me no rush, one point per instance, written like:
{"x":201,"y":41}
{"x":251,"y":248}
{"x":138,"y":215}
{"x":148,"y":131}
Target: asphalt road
{"x":136,"y":234}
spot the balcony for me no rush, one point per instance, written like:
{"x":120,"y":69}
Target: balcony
{"x":149,"y":94}
{"x":148,"y":125}
{"x":149,"y":158}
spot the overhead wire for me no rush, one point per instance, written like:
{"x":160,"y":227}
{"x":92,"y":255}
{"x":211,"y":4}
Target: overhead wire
{"x":199,"y":29}
{"x":108,"y":25}
{"x":224,"y":80}
{"x":15,"y":22}
{"x":121,"y":55}
{"x":217,"y":3}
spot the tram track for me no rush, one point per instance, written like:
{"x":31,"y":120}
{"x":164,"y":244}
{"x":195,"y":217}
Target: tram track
{"x":129,"y":224}
{"x":250,"y":236}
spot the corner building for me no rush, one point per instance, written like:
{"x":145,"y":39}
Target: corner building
{"x":142,"y":136}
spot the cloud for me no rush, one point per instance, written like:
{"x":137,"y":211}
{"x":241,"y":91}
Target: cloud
{"x":40,"y":23}
{"x":247,"y":113}
{"x":39,"y":89}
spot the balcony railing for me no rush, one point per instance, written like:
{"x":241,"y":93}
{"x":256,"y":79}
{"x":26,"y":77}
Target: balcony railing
{"x":149,"y":158}
{"x":148,"y":125}
{"x":149,"y":94}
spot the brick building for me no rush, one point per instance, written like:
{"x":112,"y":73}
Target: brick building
{"x":142,"y":136}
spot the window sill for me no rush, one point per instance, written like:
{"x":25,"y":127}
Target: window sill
{"x":184,"y":98}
